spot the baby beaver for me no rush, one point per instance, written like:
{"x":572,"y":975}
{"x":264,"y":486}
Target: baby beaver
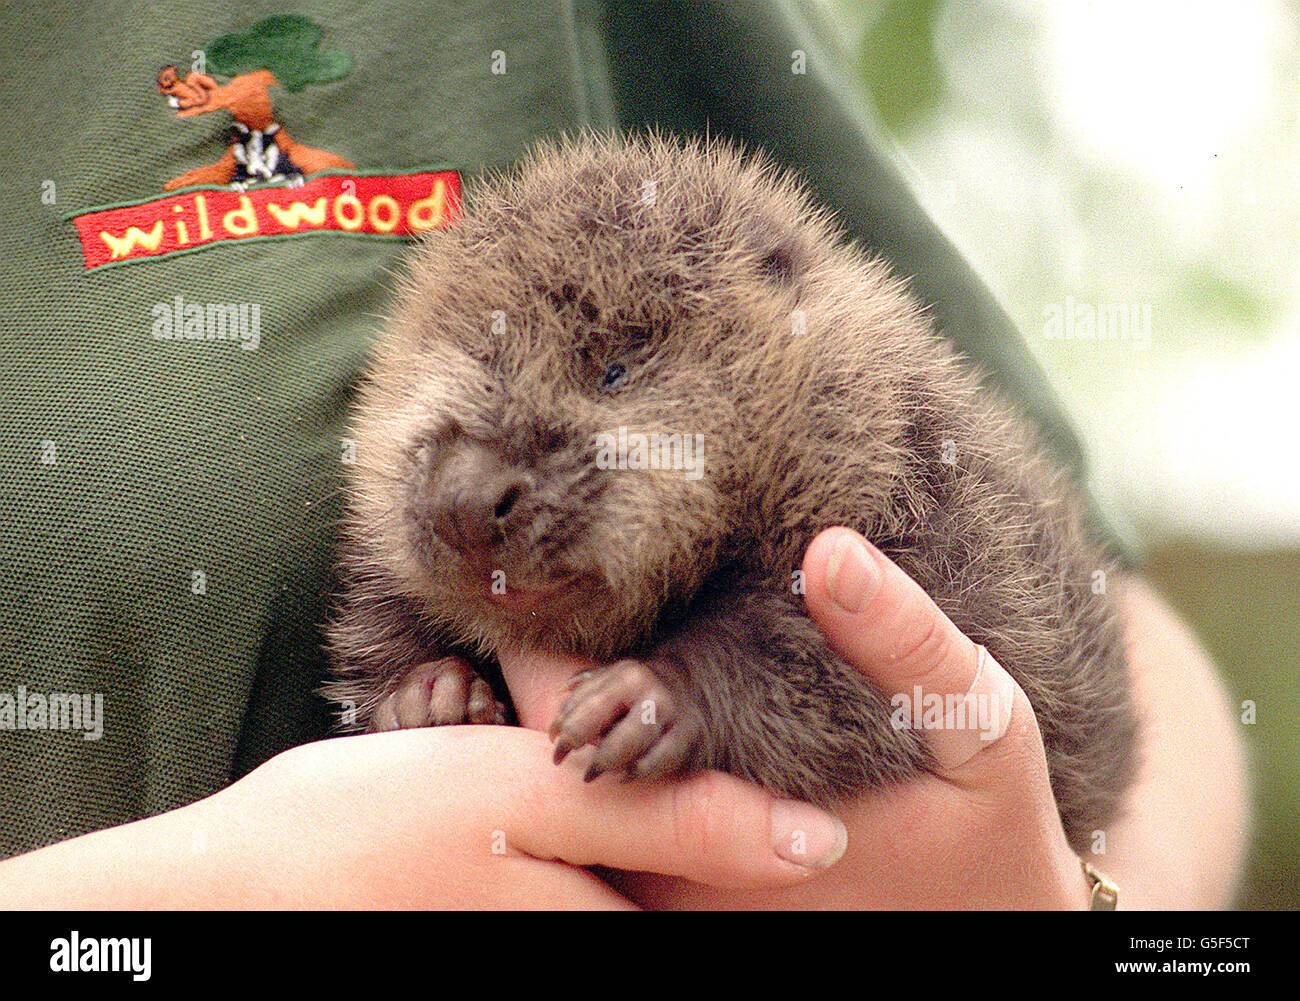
{"x":615,"y":404}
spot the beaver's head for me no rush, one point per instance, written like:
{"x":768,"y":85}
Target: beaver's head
{"x":620,"y":370}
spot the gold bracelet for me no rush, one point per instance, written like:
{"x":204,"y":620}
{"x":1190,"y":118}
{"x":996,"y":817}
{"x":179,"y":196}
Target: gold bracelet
{"x":1105,"y":894}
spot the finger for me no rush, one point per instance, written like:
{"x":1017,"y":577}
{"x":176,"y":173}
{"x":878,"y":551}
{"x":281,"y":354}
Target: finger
{"x":710,"y":828}
{"x":537,"y":683}
{"x":881,"y":621}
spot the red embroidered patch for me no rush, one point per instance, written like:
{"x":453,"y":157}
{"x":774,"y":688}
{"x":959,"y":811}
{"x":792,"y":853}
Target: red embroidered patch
{"x":385,"y":205}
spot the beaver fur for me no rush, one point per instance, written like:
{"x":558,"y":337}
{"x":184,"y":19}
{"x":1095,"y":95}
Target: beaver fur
{"x":657,"y":286}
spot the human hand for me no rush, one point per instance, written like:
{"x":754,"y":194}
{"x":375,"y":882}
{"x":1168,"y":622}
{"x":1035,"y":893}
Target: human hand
{"x":982,"y":831}
{"x":444,"y":817}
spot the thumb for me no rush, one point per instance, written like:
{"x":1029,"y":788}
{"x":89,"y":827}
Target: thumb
{"x":977,"y":721}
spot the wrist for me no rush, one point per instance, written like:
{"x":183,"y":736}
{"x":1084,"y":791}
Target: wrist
{"x":1077,"y":888}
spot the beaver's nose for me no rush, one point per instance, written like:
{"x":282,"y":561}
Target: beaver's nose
{"x":475,"y":495}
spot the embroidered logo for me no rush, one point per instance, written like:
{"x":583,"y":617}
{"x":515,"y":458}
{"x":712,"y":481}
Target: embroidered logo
{"x":266,"y":185}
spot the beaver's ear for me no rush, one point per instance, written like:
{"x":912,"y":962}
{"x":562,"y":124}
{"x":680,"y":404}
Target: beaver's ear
{"x":777,"y":265}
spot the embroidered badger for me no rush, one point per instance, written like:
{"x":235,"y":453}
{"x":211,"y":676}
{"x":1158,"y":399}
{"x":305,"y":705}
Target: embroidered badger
{"x":637,"y":287}
{"x":258,"y":159}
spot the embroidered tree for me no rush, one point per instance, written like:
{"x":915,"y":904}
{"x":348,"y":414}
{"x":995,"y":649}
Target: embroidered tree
{"x":283,"y":49}
{"x":288,"y":45}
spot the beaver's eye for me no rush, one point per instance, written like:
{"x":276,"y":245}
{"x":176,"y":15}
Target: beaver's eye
{"x":613,"y":378}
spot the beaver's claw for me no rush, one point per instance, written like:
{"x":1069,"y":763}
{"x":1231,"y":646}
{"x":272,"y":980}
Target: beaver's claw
{"x":633,"y":720}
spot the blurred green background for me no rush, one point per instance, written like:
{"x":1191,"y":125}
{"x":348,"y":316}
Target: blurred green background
{"x":1142,"y":154}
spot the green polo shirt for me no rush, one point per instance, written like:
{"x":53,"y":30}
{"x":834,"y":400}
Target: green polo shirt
{"x":169,"y":504}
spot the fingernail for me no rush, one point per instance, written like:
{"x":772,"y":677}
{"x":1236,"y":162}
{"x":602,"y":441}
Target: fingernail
{"x":806,"y":835}
{"x":851,"y":573}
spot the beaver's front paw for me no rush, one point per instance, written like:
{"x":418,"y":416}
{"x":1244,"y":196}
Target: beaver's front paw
{"x":632,"y":718}
{"x":439,"y":693}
